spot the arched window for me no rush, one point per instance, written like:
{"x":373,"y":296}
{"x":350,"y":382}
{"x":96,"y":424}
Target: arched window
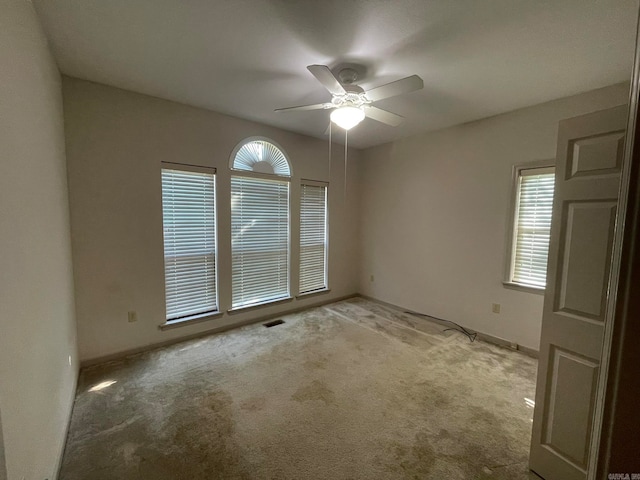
{"x":260,"y":155}
{"x":259,"y":223}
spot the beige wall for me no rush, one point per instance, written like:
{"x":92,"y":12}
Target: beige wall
{"x":434,"y":218}
{"x":433,"y":212}
{"x":38,"y":360}
{"x":115,"y":143}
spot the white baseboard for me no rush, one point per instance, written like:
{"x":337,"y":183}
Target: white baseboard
{"x":155,"y":346}
{"x":502,"y":342}
{"x":63,"y":440}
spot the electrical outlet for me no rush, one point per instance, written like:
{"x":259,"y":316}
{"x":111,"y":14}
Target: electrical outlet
{"x":371,"y":278}
{"x":495,"y":307}
{"x":132,"y":317}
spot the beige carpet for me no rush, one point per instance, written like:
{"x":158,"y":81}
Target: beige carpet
{"x":347,"y":391}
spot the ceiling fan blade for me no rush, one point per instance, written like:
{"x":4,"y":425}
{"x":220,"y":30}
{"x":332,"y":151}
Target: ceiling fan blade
{"x":383,"y":116}
{"x":405,"y":85}
{"x":326,"y":78}
{"x":316,"y":106}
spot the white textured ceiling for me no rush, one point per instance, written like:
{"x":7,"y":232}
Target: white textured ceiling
{"x":247,"y":57}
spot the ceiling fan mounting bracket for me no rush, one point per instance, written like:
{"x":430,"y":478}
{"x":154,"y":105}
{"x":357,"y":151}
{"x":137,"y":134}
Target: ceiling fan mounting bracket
{"x":348,"y":76}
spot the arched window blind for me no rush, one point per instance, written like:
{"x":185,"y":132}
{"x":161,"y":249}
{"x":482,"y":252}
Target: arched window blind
{"x":532,"y":225}
{"x":189,"y":221}
{"x":313,"y":237}
{"x":262,"y":156}
{"x":259,"y":224}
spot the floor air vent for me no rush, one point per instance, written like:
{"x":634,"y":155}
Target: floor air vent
{"x":273,"y":323}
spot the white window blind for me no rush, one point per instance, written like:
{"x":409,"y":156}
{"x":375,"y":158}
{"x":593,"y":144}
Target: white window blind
{"x":188,"y":217}
{"x":260,"y":240}
{"x":313,"y":238}
{"x":532,"y":226}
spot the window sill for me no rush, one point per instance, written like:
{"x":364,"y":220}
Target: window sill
{"x":259,"y":305}
{"x":524,"y":288}
{"x":313,"y":293}
{"x":202,"y":317}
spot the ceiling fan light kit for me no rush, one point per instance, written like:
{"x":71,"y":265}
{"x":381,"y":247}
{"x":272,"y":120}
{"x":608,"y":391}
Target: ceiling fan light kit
{"x":347,"y":117}
{"x":351,"y":103}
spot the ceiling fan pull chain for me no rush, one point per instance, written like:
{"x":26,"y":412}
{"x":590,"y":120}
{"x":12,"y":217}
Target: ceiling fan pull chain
{"x":346,"y":142}
{"x":330,"y":128}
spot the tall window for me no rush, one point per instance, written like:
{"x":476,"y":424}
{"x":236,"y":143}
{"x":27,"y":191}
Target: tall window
{"x":259,"y":224}
{"x":189,"y":220}
{"x":313,"y":237}
{"x":532,"y":225}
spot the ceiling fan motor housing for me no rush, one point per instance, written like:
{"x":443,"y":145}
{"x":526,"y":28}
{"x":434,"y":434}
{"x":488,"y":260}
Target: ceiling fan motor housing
{"x":356,"y":98}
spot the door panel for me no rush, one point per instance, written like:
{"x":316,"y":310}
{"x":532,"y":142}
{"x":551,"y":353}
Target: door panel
{"x":599,"y":155}
{"x":567,"y":429}
{"x":589,"y":157}
{"x":585,"y":258}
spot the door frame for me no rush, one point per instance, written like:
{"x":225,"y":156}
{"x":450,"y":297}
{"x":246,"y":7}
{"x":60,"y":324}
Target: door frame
{"x":608,"y":419}
{"x":3,"y":465}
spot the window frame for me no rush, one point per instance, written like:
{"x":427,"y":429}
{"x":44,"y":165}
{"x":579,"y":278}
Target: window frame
{"x":326,"y":288}
{"x":210,"y":313}
{"x":239,"y":173}
{"x":511,"y":230}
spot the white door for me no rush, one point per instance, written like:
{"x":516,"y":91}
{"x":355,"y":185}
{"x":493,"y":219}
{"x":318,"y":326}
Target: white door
{"x":588,"y":164}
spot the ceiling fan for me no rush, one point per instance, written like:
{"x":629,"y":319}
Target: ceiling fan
{"x":350,"y":103}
